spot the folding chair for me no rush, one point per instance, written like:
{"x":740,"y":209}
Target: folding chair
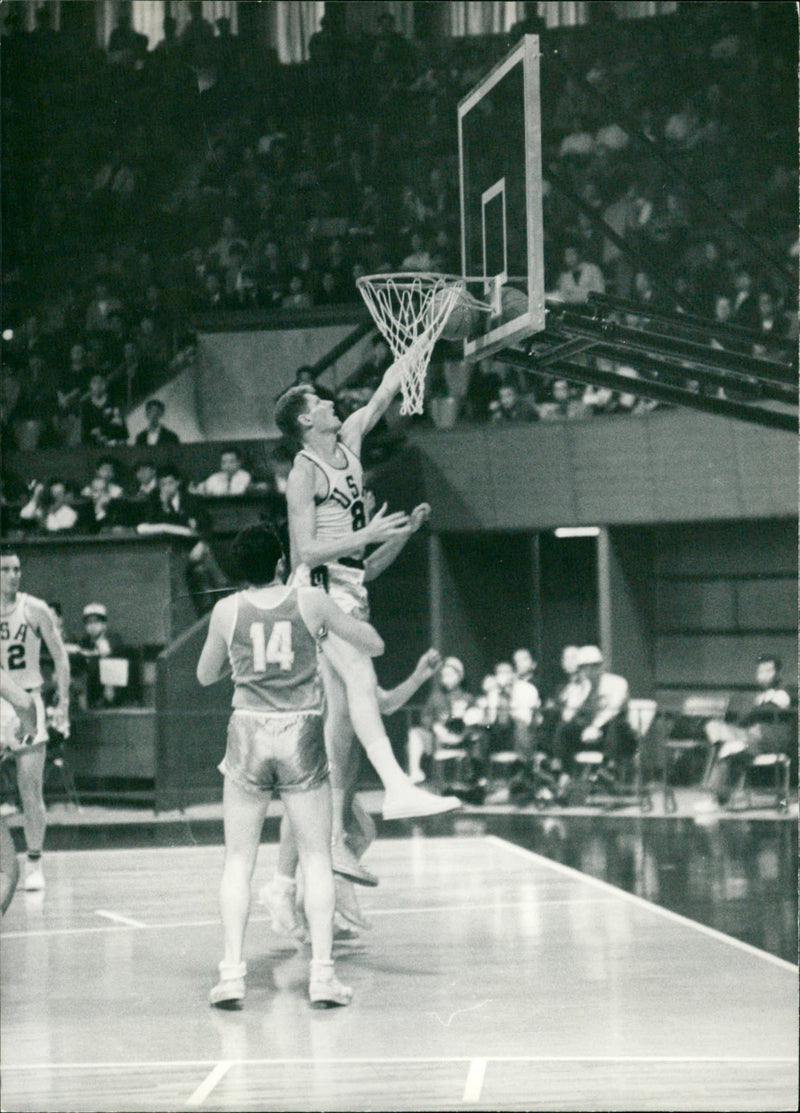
{"x":622,"y":785}
{"x":698,"y":709}
{"x":774,"y":743}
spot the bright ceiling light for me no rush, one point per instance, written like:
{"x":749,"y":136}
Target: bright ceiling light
{"x":578,"y":531}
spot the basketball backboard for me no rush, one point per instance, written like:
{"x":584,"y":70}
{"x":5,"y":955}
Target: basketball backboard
{"x":500,"y":157}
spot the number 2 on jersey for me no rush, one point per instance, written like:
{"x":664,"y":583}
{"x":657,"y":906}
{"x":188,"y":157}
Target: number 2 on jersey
{"x":276,"y":651}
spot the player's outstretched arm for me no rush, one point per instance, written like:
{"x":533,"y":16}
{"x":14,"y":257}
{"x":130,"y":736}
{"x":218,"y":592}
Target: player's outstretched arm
{"x":358,"y":424}
{"x":306,"y":547}
{"x":43,"y":618}
{"x":428,"y":665}
{"x":321,"y":613}
{"x":214,"y":662}
{"x":387,"y":554}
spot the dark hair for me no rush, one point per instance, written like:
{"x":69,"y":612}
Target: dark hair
{"x":256,"y":552}
{"x":106,"y":460}
{"x":8,"y":550}
{"x":168,"y":471}
{"x":776,"y":661}
{"x":230,"y":449}
{"x":288,"y":408}
{"x":154,"y":402}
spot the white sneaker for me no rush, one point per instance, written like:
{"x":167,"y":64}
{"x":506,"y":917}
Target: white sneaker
{"x":417,"y":777}
{"x":33,"y":881}
{"x":228,"y":993}
{"x":325,"y":989}
{"x":410,"y":802}
{"x":8,"y":809}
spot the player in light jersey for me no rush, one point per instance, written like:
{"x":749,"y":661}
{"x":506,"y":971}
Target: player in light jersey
{"x":329,"y":531}
{"x":267,"y":635}
{"x":17,"y":731}
{"x":25,"y":622}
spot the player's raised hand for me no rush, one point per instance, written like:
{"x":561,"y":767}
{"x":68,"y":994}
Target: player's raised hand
{"x":419,"y":516}
{"x":384,"y":526}
{"x":428,"y":665}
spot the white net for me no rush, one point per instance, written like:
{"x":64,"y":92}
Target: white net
{"x":411,"y":310}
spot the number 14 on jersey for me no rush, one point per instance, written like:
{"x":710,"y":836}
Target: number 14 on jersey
{"x":275,"y":651}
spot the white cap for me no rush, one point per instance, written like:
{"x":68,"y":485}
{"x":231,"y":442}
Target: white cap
{"x":96,"y":609}
{"x":589,"y":655}
{"x":453,"y":663}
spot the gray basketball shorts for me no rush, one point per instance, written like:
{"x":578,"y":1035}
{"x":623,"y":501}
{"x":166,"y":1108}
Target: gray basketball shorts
{"x":266,"y":753}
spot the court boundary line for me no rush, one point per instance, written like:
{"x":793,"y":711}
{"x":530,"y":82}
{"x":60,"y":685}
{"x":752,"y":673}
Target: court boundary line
{"x":125,"y":923}
{"x":209,"y":1083}
{"x":474,"y":1082}
{"x":642,"y":902}
{"x":155,"y":1064}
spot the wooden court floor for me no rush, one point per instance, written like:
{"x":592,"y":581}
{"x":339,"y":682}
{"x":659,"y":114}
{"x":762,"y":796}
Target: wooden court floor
{"x":493,"y":978}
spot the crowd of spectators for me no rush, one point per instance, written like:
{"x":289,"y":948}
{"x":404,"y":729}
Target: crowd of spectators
{"x":542,"y":739}
{"x":118,"y":497}
{"x":147,"y":188}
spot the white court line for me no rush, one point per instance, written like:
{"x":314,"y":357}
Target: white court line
{"x":474,"y":1083}
{"x":124,"y":921}
{"x":118,"y":918}
{"x":667,"y":913}
{"x":179,"y":1064}
{"x":208,"y":1084}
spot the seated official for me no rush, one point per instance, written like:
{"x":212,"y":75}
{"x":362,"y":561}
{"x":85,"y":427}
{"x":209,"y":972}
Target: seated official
{"x":738,"y":743}
{"x":442,"y":719}
{"x":512,"y":707}
{"x":231,"y":479}
{"x":595,"y":715}
{"x":95,"y":643}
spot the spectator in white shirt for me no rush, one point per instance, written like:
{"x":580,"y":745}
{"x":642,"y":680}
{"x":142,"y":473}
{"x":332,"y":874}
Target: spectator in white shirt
{"x":525,"y":704}
{"x":231,"y":479}
{"x":49,"y":508}
{"x":594,"y":715}
{"x":579,"y":278}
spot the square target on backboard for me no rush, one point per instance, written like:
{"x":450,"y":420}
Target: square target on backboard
{"x":500,"y":157}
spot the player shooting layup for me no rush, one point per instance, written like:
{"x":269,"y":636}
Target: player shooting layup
{"x":24,"y":623}
{"x":329,"y":532}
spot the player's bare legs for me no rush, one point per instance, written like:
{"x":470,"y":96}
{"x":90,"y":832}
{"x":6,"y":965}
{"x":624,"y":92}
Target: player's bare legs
{"x":310,"y":817}
{"x":403,"y":799}
{"x":30,"y":780}
{"x":243,"y":819}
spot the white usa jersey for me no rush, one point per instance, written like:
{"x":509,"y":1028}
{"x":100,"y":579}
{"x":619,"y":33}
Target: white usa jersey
{"x":340,"y":510}
{"x":20,"y":645}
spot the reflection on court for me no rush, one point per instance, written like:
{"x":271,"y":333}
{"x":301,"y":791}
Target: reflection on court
{"x":493,"y":978}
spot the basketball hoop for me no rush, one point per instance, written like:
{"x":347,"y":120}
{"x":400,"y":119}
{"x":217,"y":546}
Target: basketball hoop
{"x":411,"y":310}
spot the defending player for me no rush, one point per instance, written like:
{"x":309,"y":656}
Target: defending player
{"x":267,"y":635}
{"x":25,"y":622}
{"x":329,"y":531}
